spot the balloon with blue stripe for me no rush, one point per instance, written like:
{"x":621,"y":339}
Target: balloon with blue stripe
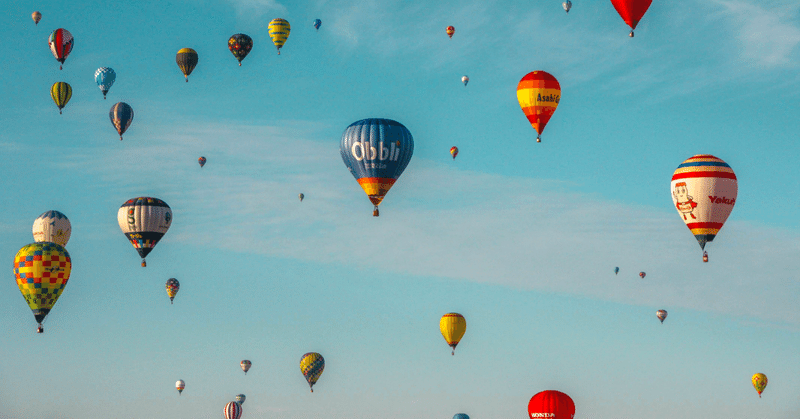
{"x":105,"y":76}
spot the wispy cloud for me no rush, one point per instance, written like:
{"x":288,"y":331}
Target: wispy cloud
{"x":255,"y":9}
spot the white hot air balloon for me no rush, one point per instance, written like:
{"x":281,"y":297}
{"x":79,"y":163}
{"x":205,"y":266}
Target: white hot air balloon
{"x":52,"y":226}
{"x":144,"y":221}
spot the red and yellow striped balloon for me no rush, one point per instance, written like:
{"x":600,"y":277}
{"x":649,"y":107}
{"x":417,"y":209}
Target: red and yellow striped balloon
{"x":539,"y":94}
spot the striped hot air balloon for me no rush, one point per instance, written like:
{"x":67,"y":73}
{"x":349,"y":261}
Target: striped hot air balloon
{"x":279,"y":30}
{"x":121,"y":115}
{"x":52,"y":226}
{"x":311,"y":365}
{"x":704,"y":190}
{"x":233,"y":410}
{"x":186,"y":58}
{"x":61,"y":43}
{"x":144,"y":221}
{"x":42,"y":271}
{"x":539,"y":94}
{"x":61,"y":92}
{"x":453,"y":326}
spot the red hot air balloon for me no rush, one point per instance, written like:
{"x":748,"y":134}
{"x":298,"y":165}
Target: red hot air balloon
{"x":631,"y":11}
{"x":642,"y":275}
{"x":551,"y":404}
{"x":450,"y":31}
{"x":454,"y":151}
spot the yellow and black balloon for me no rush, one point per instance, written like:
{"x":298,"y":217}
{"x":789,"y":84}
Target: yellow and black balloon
{"x":187,"y":60}
{"x":61,"y":92}
{"x":279,"y":31}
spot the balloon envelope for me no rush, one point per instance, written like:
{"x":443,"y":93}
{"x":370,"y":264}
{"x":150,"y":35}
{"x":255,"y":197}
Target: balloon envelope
{"x":616,"y":270}
{"x":233,"y":410}
{"x":61,"y":43}
{"x":631,"y":11}
{"x":317,"y":24}
{"x":121,"y":115}
{"x":662,"y":315}
{"x":567,"y":5}
{"x":144,"y":221}
{"x":52,"y":226}
{"x":245,"y":364}
{"x":201,"y":161}
{"x":42,"y":271}
{"x":453,"y":326}
{"x":539,"y":94}
{"x":465,"y":80}
{"x":240,"y":45}
{"x":240,"y":398}
{"x":36,"y":16}
{"x":461,"y":416}
{"x":311,"y":365}
{"x":61,"y":92}
{"x":454,"y":151}
{"x":759,"y":382}
{"x":450,"y":31}
{"x":551,"y":404}
{"x":172,"y":288}
{"x":279,"y":31}
{"x":642,"y":274}
{"x":105,"y":77}
{"x":180,"y":385}
{"x":186,"y":58}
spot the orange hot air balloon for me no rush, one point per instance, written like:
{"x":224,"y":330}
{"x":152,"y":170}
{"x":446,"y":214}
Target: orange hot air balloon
{"x":454,"y":151}
{"x":450,"y":31}
{"x":539,"y":94}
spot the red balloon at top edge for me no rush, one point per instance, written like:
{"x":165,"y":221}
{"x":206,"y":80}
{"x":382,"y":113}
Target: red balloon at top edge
{"x":551,"y":404}
{"x":631,"y":11}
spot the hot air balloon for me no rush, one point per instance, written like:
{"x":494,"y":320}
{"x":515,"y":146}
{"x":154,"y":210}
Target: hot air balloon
{"x":61,"y":43}
{"x":240,"y":398}
{"x":642,"y":275}
{"x":187,"y":60}
{"x":61,"y":92}
{"x":240,"y":45}
{"x":121,"y":115}
{"x":616,"y":270}
{"x":714,"y":184}
{"x":172,"y":288}
{"x":661,"y":314}
{"x":567,"y":5}
{"x":301,"y":196}
{"x":42,"y":271}
{"x":465,"y":80}
{"x":245,"y":364}
{"x":180,"y":385}
{"x":279,"y":30}
{"x":454,"y":151}
{"x":144,"y":221}
{"x":201,"y":161}
{"x":461,"y":416}
{"x":759,"y":382}
{"x":453,"y":326}
{"x":233,"y":410}
{"x":317,"y":24}
{"x":450,"y":31}
{"x":539,"y":94}
{"x":631,"y":11}
{"x":551,"y":404}
{"x":311,"y":365}
{"x":52,"y":226}
{"x":104,"y":77}
{"x":36,"y":16}
{"x":376,"y":151}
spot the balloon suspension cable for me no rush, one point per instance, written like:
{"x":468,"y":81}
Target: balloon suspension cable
{"x":144,"y":262}
{"x":375,"y":212}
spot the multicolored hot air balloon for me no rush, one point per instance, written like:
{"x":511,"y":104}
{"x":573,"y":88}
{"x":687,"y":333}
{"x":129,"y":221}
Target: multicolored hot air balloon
{"x":301,"y":196}
{"x":642,"y":275}
{"x":186,"y":60}
{"x":539,"y":94}
{"x":311,"y":365}
{"x":172,"y":288}
{"x":616,"y":270}
{"x":631,"y":11}
{"x":551,"y":404}
{"x":201,"y":161}
{"x":279,"y":30}
{"x":450,"y":31}
{"x":714,"y":184}
{"x":567,"y":5}
{"x":317,"y":24}
{"x":240,"y":45}
{"x":36,"y":16}
{"x":662,"y":315}
{"x":121,"y":115}
{"x":61,"y":92}
{"x":144,"y":221}
{"x":465,"y":80}
{"x":461,"y":416}
{"x":42,"y":271}
{"x":245,"y":364}
{"x":376,"y":151}
{"x":180,"y":385}
{"x":240,"y":398}
{"x":759,"y":382}
{"x":233,"y":410}
{"x":454,"y":151}
{"x":52,"y":226}
{"x":453,"y":326}
{"x":61,"y":43}
{"x":104,"y":77}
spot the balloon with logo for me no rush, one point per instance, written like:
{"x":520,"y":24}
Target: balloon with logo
{"x":759,"y":382}
{"x":279,"y":31}
{"x":180,"y":385}
{"x":240,"y":45}
{"x":450,"y":31}
{"x":61,"y":92}
{"x":376,"y":151}
{"x":144,"y":221}
{"x":631,"y":11}
{"x":616,"y":270}
{"x":201,"y":161}
{"x":465,"y":80}
{"x":454,"y":151}
{"x":662,"y":315}
{"x":36,"y":16}
{"x":172,"y":288}
{"x":233,"y":410}
{"x":61,"y":43}
{"x":42,"y":271}
{"x":704,"y":190}
{"x":539,"y":94}
{"x":453,"y":326}
{"x":104,"y":77}
{"x":240,"y":398}
{"x":245,"y":364}
{"x":186,"y":58}
{"x":52,"y":226}
{"x":317,"y":24}
{"x":121,"y":115}
{"x":551,"y":404}
{"x":311,"y":365}
{"x":567,"y":5}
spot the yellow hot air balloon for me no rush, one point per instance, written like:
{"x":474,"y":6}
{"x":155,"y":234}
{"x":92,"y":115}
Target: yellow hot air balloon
{"x":453,"y":326}
{"x":759,"y":382}
{"x":42,"y":270}
{"x":61,"y":92}
{"x":279,"y":30}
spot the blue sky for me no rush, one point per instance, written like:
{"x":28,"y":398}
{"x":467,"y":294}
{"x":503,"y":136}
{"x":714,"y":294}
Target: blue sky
{"x":521,"y":238}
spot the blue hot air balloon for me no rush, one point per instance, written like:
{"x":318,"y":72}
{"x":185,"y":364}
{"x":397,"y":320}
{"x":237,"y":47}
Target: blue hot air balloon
{"x":376,"y":151}
{"x":105,"y":76}
{"x":317,"y":24}
{"x":461,"y":416}
{"x":616,"y":270}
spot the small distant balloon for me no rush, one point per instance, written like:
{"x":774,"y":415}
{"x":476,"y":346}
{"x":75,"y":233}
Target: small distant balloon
{"x":454,"y":151}
{"x":121,"y":115}
{"x":61,"y":92}
{"x":317,"y":24}
{"x":642,"y":274}
{"x":662,"y":315}
{"x":180,"y":385}
{"x":36,"y":16}
{"x":201,"y":161}
{"x":172,"y":288}
{"x":461,"y":416}
{"x":245,"y":364}
{"x":759,"y":382}
{"x":105,"y":77}
{"x":186,"y":60}
{"x":240,"y":398}
{"x":616,"y":270}
{"x":453,"y":326}
{"x":465,"y":80}
{"x":450,"y":31}
{"x":567,"y":5}
{"x":301,"y":196}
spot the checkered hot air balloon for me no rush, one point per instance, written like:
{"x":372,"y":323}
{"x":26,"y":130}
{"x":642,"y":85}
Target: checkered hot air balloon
{"x":105,"y":77}
{"x":52,"y":226}
{"x":144,"y":221}
{"x":42,"y":271}
{"x":311,"y":365}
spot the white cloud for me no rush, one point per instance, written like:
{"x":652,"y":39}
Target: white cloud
{"x":254,"y":9}
{"x":769,"y":36}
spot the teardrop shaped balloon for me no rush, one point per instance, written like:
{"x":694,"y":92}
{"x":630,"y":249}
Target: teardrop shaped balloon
{"x":616,"y":270}
{"x":631,"y":11}
{"x":240,"y":45}
{"x":301,"y":196}
{"x":180,"y":385}
{"x":539,"y":94}
{"x":61,"y":92}
{"x":465,"y":80}
{"x":311,"y":365}
{"x":233,"y":410}
{"x":201,"y":161}
{"x":186,"y":60}
{"x":642,"y":275}
{"x":240,"y":398}
{"x":567,"y":5}
{"x":453,"y":326}
{"x":759,"y":382}
{"x":172,"y":288}
{"x":42,"y":271}
{"x":454,"y":151}
{"x":704,"y":190}
{"x":245,"y":364}
{"x":144,"y":221}
{"x":121,"y":115}
{"x":61,"y":43}
{"x":279,"y":31}
{"x":551,"y":404}
{"x":104,"y":77}
{"x":662,"y":315}
{"x":36,"y":16}
{"x":52,"y":226}
{"x":376,"y":151}
{"x":450,"y":31}
{"x":317,"y":24}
